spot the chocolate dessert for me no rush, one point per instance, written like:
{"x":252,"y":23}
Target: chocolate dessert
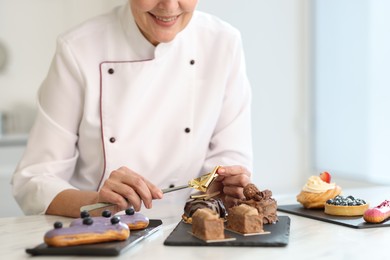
{"x":244,"y":219}
{"x":207,"y":225}
{"x":262,"y":201}
{"x":193,"y":205}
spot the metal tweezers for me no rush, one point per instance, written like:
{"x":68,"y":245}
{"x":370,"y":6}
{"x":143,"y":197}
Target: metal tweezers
{"x":202,"y":183}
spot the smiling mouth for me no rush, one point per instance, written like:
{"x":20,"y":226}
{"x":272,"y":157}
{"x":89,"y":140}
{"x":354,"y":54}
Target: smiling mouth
{"x":164,"y":18}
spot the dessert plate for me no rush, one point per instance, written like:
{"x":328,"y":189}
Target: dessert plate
{"x":319,"y":214}
{"x":100,"y":249}
{"x":278,"y":236}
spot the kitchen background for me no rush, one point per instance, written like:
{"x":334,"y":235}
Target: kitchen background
{"x":319,"y":73}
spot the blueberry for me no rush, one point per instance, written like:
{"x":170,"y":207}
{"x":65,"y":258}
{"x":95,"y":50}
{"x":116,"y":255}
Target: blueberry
{"x":84,"y":214}
{"x":360,"y":202}
{"x":88,"y":221}
{"x":130,"y":211}
{"x":115,"y":220}
{"x":348,"y":201}
{"x":57,"y":224}
{"x":106,"y":213}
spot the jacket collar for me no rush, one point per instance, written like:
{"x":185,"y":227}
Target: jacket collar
{"x":141,"y":46}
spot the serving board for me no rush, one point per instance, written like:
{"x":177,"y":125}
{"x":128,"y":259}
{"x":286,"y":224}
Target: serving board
{"x":319,"y":214}
{"x":100,"y":249}
{"x":278,"y":237}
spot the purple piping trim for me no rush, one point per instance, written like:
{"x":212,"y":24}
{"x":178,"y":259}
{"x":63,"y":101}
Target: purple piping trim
{"x":101,"y":113}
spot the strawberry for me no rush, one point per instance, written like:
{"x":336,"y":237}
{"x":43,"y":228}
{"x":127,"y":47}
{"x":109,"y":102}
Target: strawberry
{"x":325,"y":176}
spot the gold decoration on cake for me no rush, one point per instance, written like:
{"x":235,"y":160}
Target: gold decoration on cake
{"x":204,"y":181}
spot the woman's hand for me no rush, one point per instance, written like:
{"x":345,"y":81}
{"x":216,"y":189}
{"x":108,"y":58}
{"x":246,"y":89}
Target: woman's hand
{"x":230,"y":182}
{"x":126,"y":188}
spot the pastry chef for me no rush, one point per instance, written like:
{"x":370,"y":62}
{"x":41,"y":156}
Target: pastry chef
{"x":148,"y":96}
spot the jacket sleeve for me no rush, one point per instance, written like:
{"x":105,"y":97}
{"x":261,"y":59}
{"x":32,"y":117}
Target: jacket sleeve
{"x":50,"y":156}
{"x":231,"y":143}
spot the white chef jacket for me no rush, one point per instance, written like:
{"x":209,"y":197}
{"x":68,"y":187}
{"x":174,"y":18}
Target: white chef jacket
{"x":112,"y":99}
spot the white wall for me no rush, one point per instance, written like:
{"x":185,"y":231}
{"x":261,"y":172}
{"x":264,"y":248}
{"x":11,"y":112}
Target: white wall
{"x":340,"y":86}
{"x":352,"y":89}
{"x":380,"y":92}
{"x":275,"y":41}
{"x":28,"y":30}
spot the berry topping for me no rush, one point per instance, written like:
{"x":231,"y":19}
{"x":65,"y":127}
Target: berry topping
{"x":130,"y":211}
{"x":325,"y":176}
{"x":106,"y":213}
{"x":88,"y":221}
{"x":346,"y":201}
{"x":57,"y":224}
{"x":384,"y":204}
{"x":115,"y":220}
{"x":84,"y":214}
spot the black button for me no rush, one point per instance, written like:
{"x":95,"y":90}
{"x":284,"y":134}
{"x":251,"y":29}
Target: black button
{"x":192,"y":62}
{"x":111,"y":71}
{"x":112,"y":139}
{"x":172,"y":186}
{"x":187,"y":130}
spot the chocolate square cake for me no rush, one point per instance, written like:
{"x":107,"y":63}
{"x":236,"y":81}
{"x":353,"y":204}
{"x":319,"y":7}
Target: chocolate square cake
{"x":207,"y":225}
{"x":244,"y":219}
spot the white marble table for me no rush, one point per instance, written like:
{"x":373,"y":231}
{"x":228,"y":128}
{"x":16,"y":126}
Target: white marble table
{"x":309,"y":239}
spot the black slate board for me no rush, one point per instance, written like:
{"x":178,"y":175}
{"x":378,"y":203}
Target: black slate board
{"x":279,"y":236}
{"x":318,"y":214}
{"x":101,"y":249}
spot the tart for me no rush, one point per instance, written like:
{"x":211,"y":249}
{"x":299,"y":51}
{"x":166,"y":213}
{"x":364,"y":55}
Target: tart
{"x":345,"y":206}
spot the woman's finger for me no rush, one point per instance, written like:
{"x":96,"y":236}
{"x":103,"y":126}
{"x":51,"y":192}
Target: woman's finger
{"x":233,"y":170}
{"x":126,"y":188}
{"x":236,"y":180}
{"x":234,"y":192}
